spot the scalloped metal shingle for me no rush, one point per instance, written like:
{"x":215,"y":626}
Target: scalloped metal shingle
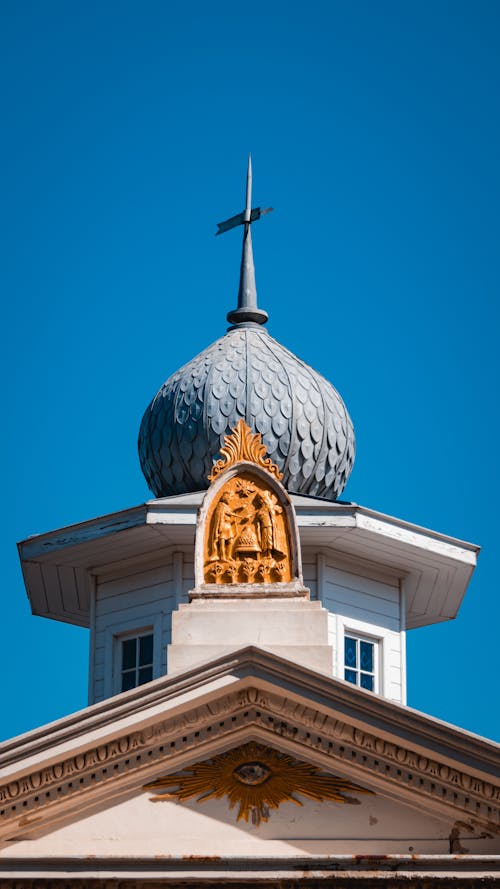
{"x":247,"y":375}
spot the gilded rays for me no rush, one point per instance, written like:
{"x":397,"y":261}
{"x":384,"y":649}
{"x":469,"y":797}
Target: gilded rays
{"x":255,"y":778}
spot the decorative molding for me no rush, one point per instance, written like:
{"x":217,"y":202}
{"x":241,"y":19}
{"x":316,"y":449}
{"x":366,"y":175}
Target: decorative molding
{"x":104,"y":761}
{"x":244,"y":445}
{"x":257,"y":779}
{"x":346,"y":872}
{"x":273,"y":715}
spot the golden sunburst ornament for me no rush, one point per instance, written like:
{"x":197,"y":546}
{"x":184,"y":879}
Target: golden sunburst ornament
{"x":255,"y":778}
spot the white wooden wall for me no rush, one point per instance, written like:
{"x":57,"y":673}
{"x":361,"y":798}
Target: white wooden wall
{"x":363,"y":599}
{"x":130,"y":598}
{"x":133,"y":596}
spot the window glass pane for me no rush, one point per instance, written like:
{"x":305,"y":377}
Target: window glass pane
{"x":128,"y":680}
{"x":350,"y":675}
{"x":145,"y":675}
{"x":145,"y":650}
{"x":366,"y":682}
{"x":350,"y":653}
{"x":128,"y":654}
{"x":366,"y":656}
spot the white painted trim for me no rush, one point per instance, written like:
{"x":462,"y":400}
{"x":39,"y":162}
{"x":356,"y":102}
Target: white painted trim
{"x":177,"y":574}
{"x":320,"y":575}
{"x":414,"y":536}
{"x":310,"y":511}
{"x":111,"y":651}
{"x":402,"y":636}
{"x":332,"y":636}
{"x":92,"y":624}
{"x":255,"y":668}
{"x":437,"y":567}
{"x":350,"y":627}
{"x":481,"y":868}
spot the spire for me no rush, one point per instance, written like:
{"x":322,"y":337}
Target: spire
{"x":247,"y":311}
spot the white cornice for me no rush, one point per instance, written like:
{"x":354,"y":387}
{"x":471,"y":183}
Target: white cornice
{"x":460,"y":871}
{"x":255,"y":663}
{"x":78,"y":761}
{"x":434,"y":569}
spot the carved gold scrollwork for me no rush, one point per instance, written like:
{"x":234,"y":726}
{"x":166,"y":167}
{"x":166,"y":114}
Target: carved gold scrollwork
{"x":241,"y":445}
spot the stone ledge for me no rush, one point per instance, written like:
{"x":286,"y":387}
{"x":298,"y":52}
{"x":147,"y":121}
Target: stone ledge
{"x":294,"y":589}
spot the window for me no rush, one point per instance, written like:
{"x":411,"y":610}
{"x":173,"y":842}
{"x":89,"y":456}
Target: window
{"x":359,"y":661}
{"x":136,"y":661}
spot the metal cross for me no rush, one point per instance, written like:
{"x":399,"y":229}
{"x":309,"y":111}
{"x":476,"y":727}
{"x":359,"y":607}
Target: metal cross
{"x":249,"y":215}
{"x":247,"y":313}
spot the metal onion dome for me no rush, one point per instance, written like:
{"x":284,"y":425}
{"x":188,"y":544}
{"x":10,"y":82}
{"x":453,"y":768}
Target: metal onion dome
{"x":247,"y":375}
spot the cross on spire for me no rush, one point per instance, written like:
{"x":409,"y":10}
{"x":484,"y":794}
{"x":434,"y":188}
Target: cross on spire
{"x":247,"y":312}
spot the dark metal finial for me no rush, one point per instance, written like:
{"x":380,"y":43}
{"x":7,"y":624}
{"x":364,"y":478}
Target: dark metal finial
{"x":247,"y":311}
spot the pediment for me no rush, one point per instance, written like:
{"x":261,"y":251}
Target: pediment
{"x":136,"y":825}
{"x":69,"y":780}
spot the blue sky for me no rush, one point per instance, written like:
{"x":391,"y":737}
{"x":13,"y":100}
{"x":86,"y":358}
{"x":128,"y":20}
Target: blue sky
{"x":374,"y":130}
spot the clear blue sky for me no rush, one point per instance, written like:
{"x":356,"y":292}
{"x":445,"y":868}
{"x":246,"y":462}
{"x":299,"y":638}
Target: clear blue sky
{"x":374,"y":129}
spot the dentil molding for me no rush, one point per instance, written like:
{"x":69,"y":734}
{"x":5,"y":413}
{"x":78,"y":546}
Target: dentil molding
{"x":272,"y":715}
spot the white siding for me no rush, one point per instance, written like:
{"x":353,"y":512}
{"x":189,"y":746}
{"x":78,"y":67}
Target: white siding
{"x":362,"y":600}
{"x":310,"y":572}
{"x":361,"y":597}
{"x":130,"y":599}
{"x":187,"y":577}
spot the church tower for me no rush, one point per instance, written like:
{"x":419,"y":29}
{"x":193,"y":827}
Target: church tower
{"x":247,"y":656}
{"x":359,"y":579}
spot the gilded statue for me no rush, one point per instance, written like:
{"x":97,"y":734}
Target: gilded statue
{"x":267,"y":511}
{"x":223,"y":531}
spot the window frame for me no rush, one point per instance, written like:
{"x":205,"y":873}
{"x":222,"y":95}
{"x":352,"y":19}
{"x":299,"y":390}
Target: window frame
{"x":358,"y":630}
{"x":135,"y":637}
{"x":374,"y":673}
{"x":118,"y":633}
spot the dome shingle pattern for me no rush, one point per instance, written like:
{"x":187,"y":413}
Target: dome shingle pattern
{"x":247,"y":375}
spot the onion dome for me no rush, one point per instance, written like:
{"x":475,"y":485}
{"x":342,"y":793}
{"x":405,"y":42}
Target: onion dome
{"x":247,"y":375}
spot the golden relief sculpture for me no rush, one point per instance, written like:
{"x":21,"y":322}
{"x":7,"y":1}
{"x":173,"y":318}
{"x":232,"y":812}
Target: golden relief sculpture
{"x":255,"y":778}
{"x":247,"y":537}
{"x":243,"y":444}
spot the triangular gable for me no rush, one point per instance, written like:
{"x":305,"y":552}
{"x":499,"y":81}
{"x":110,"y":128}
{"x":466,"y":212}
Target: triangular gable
{"x":93,"y":766}
{"x":134,"y":825}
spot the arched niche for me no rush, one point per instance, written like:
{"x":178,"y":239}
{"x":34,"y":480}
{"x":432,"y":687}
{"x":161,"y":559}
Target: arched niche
{"x":246,"y":538}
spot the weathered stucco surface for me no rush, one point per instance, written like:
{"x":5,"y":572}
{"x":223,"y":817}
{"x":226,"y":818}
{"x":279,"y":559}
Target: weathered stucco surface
{"x":372,"y":826}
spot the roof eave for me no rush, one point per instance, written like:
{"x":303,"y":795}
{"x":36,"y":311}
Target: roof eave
{"x":433,"y":569}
